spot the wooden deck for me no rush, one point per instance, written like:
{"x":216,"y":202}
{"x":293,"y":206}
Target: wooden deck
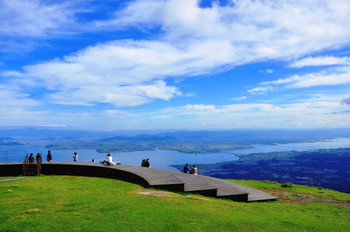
{"x":149,"y":177}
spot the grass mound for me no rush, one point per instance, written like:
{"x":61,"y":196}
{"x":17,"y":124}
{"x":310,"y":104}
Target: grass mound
{"x":68,"y":203}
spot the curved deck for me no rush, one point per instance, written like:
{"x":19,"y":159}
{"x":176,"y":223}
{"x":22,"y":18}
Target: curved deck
{"x":149,"y":177}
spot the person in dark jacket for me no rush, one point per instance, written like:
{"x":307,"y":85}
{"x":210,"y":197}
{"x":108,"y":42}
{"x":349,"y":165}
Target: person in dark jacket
{"x":143,"y":163}
{"x":39,"y":158}
{"x":49,"y":156}
{"x":147,"y":164}
{"x":186,"y":169}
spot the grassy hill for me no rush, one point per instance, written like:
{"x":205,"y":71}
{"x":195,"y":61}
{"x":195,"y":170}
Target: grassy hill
{"x":68,"y":203}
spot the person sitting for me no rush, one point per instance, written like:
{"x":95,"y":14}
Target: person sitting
{"x":147,"y":164}
{"x":75,"y":157}
{"x":193,"y":170}
{"x":109,"y":160}
{"x":31,"y":158}
{"x":186,"y":169}
{"x":49,"y":156}
{"x":143,"y":163}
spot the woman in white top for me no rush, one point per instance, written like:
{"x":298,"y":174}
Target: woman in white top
{"x":193,"y":170}
{"x":109,"y":160}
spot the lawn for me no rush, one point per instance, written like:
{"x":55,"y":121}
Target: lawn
{"x":68,"y":203}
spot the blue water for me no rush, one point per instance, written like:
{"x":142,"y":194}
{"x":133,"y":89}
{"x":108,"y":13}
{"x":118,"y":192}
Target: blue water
{"x":162,"y":159}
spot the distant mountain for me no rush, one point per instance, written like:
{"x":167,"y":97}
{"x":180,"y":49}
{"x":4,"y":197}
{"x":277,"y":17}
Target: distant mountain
{"x":184,"y":141}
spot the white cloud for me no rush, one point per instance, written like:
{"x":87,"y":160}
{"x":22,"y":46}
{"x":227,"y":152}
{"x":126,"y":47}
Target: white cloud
{"x":200,"y":107}
{"x":325,"y":78}
{"x":256,"y":29}
{"x":260,"y":90}
{"x":33,"y":18}
{"x":12,"y":98}
{"x":320,"y":61}
{"x":266,"y":71}
{"x":316,"y":112}
{"x":239,"y":98}
{"x":121,"y":73}
{"x":192,"y":41}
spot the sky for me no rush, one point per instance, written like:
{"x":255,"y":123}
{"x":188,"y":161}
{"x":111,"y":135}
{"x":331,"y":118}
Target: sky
{"x":175,"y":64}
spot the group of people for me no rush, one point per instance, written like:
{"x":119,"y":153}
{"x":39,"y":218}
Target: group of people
{"x":39,"y":157}
{"x":192,"y":171}
{"x":145,"y":163}
{"x":109,"y":161}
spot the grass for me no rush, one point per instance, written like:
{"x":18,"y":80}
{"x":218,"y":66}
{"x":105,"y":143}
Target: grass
{"x":68,"y":203}
{"x":298,"y":193}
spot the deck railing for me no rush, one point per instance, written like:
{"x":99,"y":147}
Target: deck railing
{"x":25,"y":165}
{"x":38,"y":165}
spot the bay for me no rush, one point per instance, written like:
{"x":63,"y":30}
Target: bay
{"x":162,"y":159}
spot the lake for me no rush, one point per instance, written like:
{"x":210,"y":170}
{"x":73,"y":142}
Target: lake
{"x":162,"y":159}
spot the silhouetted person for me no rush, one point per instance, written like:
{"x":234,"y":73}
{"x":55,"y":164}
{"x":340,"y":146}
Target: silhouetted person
{"x":143,"y":163}
{"x":39,"y":158}
{"x":93,"y":160}
{"x":75,"y":157}
{"x":49,"y":156}
{"x":186,"y":169}
{"x":147,"y":164}
{"x":31,"y":158}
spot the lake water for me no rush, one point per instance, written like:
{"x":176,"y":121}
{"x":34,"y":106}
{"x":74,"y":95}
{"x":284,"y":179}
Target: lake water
{"x":162,"y":159}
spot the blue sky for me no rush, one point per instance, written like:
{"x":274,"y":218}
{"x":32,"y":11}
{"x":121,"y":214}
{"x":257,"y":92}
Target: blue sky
{"x":175,"y":64}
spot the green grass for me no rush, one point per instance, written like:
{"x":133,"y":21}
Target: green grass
{"x":68,"y":203}
{"x":297,"y":193}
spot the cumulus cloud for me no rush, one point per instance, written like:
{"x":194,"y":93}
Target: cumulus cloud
{"x":190,"y":41}
{"x":262,"y":29}
{"x":320,"y":61}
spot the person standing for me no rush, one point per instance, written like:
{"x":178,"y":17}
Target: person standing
{"x":186,"y":169}
{"x":39,"y":158}
{"x":31,"y":158}
{"x":49,"y":156}
{"x":75,"y":157}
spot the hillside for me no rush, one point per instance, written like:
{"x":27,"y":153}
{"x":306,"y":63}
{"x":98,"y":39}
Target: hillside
{"x":66,"y":203}
{"x":327,"y":168}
